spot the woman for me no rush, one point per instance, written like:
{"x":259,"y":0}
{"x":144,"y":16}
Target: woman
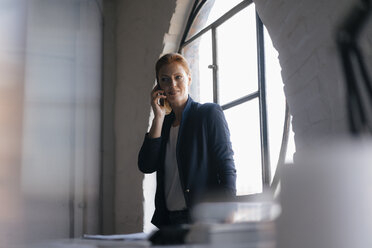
{"x":189,"y":148}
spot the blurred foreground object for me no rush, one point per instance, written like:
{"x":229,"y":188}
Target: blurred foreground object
{"x":326,"y":198}
{"x":235,"y":224}
{"x":358,"y":83}
{"x":50,"y":97}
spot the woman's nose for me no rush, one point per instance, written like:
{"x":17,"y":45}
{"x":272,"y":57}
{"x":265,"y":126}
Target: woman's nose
{"x":173,"y":82}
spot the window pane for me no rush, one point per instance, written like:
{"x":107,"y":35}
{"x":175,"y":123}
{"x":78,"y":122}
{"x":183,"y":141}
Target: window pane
{"x":291,"y":148}
{"x":211,"y":11}
{"x":275,"y":101}
{"x":244,"y":125}
{"x":199,"y":55}
{"x":220,"y":7}
{"x":275,"y":105}
{"x":237,"y":56}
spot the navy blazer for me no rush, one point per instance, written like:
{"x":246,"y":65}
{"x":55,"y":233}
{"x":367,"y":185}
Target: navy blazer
{"x":204,"y":157}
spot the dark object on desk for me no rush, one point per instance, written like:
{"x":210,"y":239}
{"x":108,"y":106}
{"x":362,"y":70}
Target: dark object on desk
{"x":170,"y":235}
{"x":358,"y":83}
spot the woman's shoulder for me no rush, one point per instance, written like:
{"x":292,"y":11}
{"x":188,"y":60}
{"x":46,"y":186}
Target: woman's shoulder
{"x":207,"y":109}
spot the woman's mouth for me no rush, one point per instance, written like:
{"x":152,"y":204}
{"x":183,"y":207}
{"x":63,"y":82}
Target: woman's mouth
{"x":172,"y":93}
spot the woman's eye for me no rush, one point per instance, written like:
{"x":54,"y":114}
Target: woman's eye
{"x":165,"y":80}
{"x":179,"y":77}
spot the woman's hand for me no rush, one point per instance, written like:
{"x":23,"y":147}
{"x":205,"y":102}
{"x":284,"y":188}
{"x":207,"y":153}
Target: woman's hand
{"x":159,"y":112}
{"x":156,"y":95}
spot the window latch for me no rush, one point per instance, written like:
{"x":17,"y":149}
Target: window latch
{"x":212,"y":66}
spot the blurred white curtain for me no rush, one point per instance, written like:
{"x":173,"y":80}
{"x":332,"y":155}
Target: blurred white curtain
{"x":12,"y":29}
{"x":53,"y":116}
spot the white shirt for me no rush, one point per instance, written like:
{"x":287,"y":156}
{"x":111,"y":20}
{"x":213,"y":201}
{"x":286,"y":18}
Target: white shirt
{"x":174,"y":197}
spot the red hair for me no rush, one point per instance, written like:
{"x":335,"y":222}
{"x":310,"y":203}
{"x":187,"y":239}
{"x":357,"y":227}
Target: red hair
{"x":170,"y":58}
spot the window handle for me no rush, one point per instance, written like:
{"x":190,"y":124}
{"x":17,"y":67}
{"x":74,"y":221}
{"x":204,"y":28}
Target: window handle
{"x":212,"y":66}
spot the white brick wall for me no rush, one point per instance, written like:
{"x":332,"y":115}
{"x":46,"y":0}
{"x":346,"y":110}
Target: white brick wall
{"x":303,"y":32}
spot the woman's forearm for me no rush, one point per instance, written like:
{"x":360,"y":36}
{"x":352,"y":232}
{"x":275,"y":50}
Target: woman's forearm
{"x":156,"y":126}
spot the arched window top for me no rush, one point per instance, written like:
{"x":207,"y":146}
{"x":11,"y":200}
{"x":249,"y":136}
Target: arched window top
{"x":207,"y":13}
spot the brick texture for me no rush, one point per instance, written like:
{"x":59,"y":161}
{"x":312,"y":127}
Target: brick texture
{"x":303,"y":32}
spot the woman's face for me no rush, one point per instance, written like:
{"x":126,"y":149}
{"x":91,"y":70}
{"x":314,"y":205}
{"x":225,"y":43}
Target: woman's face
{"x":174,"y":80}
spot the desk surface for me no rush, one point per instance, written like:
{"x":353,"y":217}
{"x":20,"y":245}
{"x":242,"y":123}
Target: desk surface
{"x":86,"y":243}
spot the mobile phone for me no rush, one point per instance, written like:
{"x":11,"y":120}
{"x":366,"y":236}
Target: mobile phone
{"x":164,"y":102}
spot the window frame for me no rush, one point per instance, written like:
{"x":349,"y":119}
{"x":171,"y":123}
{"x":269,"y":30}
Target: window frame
{"x":267,"y":182}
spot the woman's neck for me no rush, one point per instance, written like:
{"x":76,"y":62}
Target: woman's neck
{"x":177,"y":116}
{"x":178,"y":110}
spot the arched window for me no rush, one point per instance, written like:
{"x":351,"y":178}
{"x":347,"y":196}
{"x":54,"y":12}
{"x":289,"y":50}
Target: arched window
{"x":234,"y":64}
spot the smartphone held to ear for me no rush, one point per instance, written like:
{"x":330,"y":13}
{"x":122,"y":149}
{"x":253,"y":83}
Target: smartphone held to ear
{"x":164,"y":103}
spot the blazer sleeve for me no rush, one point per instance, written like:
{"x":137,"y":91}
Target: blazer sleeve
{"x":149,"y":155}
{"x":220,"y":149}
